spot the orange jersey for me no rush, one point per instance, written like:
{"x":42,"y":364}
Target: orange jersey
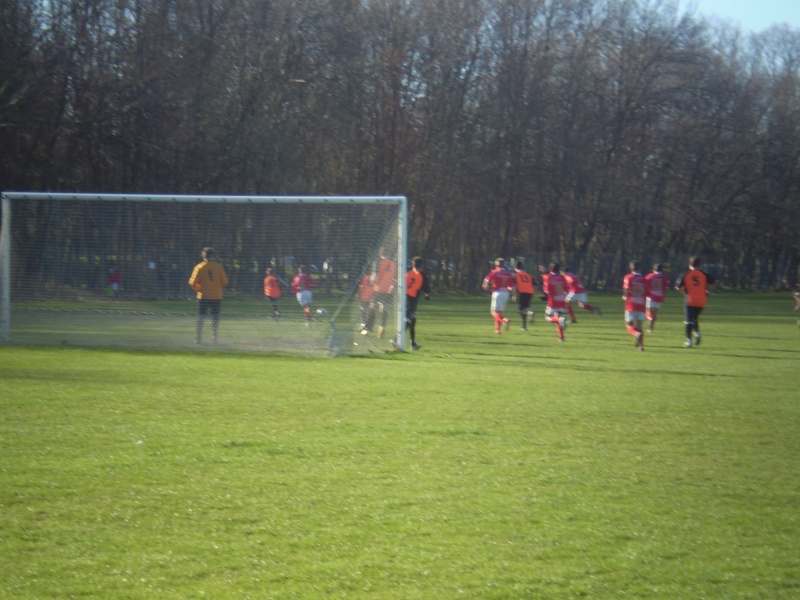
{"x":415,"y":282}
{"x":384,"y":277}
{"x":208,"y":279}
{"x":524,"y":283}
{"x":271,"y":287}
{"x":695,"y":283}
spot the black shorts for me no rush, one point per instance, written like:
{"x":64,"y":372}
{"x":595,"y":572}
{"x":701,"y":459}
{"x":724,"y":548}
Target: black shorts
{"x":692,"y":313}
{"x":411,"y":306}
{"x":525,"y":302}
{"x":209,"y":306}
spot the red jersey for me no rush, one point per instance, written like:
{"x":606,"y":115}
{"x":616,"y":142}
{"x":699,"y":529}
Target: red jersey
{"x":545,"y":277}
{"x":524,"y":283}
{"x":574,"y":283}
{"x":658,"y":286}
{"x":500,"y":280}
{"x":557,"y":289}
{"x":365,"y":292}
{"x":303,"y":281}
{"x":271,"y":287}
{"x":636,"y":288}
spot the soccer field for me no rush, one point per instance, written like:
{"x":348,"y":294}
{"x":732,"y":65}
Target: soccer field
{"x":482,"y":466}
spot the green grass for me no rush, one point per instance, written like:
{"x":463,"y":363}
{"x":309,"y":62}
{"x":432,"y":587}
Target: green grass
{"x":483,"y":466}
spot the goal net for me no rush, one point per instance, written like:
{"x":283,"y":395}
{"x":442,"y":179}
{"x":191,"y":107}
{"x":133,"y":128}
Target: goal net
{"x":101,"y":270}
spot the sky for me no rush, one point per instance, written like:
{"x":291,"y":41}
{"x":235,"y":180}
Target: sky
{"x":750,"y":15}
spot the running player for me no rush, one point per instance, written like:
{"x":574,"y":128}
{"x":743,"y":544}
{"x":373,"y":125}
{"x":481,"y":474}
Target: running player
{"x":501,"y":283}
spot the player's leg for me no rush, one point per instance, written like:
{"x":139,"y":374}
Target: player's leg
{"x":202,"y":309}
{"x":215,"y":307}
{"x":524,"y":309}
{"x":697,"y":312}
{"x":640,"y":335}
{"x":571,"y":313}
{"x":633,"y":323}
{"x":588,"y":307}
{"x":689,"y":324}
{"x":307,"y":305}
{"x":499,"y":303}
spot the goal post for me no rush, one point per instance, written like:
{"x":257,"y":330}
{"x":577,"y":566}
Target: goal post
{"x":112,"y":270}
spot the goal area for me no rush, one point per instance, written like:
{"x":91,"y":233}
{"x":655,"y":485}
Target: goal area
{"x":113,"y":271}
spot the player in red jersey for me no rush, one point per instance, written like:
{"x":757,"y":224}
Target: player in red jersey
{"x":544,"y":273}
{"x":301,"y":286}
{"x":577,"y":293}
{"x":557,"y":290}
{"x":501,"y":282}
{"x":634,"y":291}
{"x":366,"y":302}
{"x":659,"y":283}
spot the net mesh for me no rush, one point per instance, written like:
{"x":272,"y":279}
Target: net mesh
{"x":114,"y":273}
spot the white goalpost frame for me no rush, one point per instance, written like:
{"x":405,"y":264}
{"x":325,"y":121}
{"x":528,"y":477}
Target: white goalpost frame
{"x":5,"y":234}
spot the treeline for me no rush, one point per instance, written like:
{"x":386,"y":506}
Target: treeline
{"x":593,"y":131}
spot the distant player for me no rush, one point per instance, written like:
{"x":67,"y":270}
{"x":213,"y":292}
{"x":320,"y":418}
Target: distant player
{"x":557,"y":290}
{"x":208,"y":278}
{"x":416,"y":284}
{"x":301,"y":287}
{"x":544,"y":274}
{"x":272,"y":292}
{"x":634,"y":292}
{"x":525,"y":292}
{"x":113,"y":282}
{"x":366,"y":303}
{"x":797,"y":301}
{"x":658,"y":285}
{"x":577,"y":293}
{"x":501,"y":283}
{"x":696,"y":285}
{"x":385,"y":279}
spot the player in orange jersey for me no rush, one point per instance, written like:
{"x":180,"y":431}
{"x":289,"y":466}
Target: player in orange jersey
{"x":385,"y":279}
{"x":272,"y":292}
{"x":416,"y":284}
{"x":696,"y":285}
{"x":208,"y":278}
{"x":525,"y":292}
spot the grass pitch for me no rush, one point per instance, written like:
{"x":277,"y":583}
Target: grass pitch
{"x":482,"y":466}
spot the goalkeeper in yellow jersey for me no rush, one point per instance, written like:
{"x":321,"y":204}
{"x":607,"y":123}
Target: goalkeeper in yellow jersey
{"x":208,"y":279}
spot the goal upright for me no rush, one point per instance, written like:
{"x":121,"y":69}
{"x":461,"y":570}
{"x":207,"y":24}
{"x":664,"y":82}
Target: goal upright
{"x":57,"y":251}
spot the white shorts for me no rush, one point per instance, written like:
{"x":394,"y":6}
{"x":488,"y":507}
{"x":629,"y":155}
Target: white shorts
{"x":554,"y":311}
{"x":634,"y":315}
{"x":652,"y":304}
{"x":572,"y":296}
{"x":304,"y":297}
{"x":499,"y":301}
